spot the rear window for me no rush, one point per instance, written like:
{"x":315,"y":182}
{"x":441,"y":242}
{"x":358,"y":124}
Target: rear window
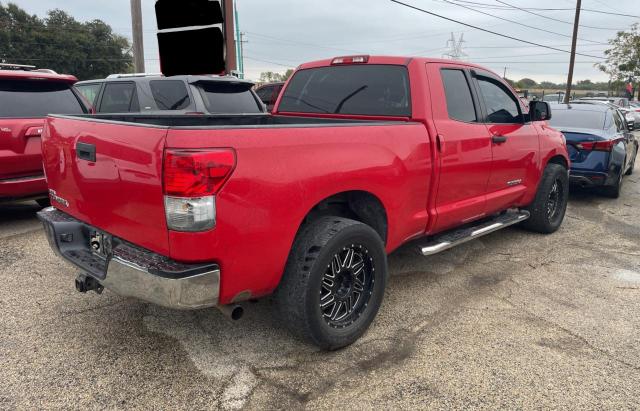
{"x":459,"y":100}
{"x":577,"y":119}
{"x":375,"y":90}
{"x":37,"y":98}
{"x":170,"y":94}
{"x":227,"y":98}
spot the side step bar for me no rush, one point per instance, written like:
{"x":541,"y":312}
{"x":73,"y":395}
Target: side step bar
{"x":454,"y":238}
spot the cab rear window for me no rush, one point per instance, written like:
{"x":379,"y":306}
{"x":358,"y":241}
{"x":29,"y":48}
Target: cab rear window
{"x":37,"y":98}
{"x":375,"y":90}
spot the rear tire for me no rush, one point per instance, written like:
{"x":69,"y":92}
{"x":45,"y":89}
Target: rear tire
{"x":633,"y":164}
{"x":550,"y":205}
{"x":615,"y":190}
{"x":334,"y":282}
{"x":44,"y":202}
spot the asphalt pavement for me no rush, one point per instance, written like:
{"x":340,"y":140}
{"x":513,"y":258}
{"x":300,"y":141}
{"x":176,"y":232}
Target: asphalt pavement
{"x":514,"y":320}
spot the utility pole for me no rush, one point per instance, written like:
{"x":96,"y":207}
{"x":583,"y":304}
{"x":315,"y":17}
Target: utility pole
{"x":241,"y":54}
{"x":138,"y":40}
{"x":572,"y":62}
{"x":505,"y":73}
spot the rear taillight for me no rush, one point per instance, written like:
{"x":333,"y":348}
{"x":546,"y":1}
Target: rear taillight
{"x":606,"y":145}
{"x":350,"y":60}
{"x":192,"y":178}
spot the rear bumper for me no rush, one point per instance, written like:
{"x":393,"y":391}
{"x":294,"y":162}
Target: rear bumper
{"x":588,"y":178}
{"x":131,"y":271}
{"x":23,"y":187}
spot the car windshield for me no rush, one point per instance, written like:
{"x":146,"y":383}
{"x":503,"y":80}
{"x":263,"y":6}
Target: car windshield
{"x":577,"y":119}
{"x":37,"y":98}
{"x":375,"y":90}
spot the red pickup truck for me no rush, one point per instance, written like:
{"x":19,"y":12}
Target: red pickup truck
{"x":27,"y":95}
{"x":362,"y":154}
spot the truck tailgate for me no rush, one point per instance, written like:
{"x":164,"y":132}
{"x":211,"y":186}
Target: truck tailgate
{"x":109,"y":176}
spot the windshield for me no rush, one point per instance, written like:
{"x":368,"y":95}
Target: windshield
{"x":374,"y":90}
{"x":37,"y":98}
{"x":226,"y":98}
{"x":577,"y":119}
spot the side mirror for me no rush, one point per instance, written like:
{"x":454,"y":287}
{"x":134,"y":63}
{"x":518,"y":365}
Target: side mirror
{"x":539,"y":111}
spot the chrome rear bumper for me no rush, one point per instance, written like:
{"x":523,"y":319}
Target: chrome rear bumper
{"x":131,"y":271}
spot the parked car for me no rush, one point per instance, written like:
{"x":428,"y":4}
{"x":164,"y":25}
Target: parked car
{"x":554,"y":98}
{"x":631,"y":117}
{"x":601,"y":147}
{"x":269,"y":93}
{"x":27,"y":95}
{"x":362,"y":154}
{"x":152,"y":93}
{"x":621,"y":102}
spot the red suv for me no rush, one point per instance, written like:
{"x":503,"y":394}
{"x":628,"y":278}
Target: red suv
{"x":27,"y":95}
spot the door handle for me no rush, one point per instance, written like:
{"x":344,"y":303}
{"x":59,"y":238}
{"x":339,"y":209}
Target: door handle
{"x":499,"y":139}
{"x":86,"y":152}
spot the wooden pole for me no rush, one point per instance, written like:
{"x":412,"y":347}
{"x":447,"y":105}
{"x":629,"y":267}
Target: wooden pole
{"x":138,"y":39}
{"x":572,"y":62}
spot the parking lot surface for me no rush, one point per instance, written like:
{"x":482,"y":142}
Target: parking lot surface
{"x":513,"y":320}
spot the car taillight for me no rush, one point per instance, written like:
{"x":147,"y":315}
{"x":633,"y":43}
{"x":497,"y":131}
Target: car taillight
{"x":192,"y":178}
{"x":606,"y":145}
{"x":350,"y":60}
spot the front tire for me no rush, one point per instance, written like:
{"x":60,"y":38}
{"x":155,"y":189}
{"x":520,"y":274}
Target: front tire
{"x":550,"y":205}
{"x":334,"y":282}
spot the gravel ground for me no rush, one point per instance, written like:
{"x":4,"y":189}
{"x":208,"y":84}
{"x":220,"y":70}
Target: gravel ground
{"x":514,"y":320}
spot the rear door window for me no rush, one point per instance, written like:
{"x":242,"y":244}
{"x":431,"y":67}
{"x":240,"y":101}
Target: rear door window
{"x":90,"y":91}
{"x":228,"y":98}
{"x":459,"y":100}
{"x":119,"y":97}
{"x":37,"y":98}
{"x":374,"y":90}
{"x":170,"y":94}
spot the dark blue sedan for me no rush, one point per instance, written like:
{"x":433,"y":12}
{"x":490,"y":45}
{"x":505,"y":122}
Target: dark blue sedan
{"x":601,"y":147}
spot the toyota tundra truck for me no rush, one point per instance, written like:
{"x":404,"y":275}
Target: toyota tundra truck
{"x":361,"y":155}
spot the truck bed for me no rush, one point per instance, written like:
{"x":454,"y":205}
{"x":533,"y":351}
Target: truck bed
{"x":226,"y":121}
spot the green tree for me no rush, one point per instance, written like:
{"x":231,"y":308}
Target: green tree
{"x":526,"y":83}
{"x":59,"y":42}
{"x":623,"y":58}
{"x":271,"y":77}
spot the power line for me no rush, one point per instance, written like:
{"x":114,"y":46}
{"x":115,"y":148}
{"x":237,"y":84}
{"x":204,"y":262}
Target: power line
{"x":516,"y":22}
{"x":488,"y":31}
{"x":498,"y":7}
{"x":554,"y":19}
{"x":299,"y":43}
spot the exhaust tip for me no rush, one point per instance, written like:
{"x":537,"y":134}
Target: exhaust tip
{"x":237,"y":313}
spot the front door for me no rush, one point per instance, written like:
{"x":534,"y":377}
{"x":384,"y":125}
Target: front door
{"x":514,"y":141}
{"x":464,"y":147}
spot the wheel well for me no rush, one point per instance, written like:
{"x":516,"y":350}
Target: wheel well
{"x":559,"y":160}
{"x":356,"y":205}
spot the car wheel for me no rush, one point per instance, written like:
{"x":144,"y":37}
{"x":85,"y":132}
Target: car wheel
{"x":44,"y":202}
{"x":334,"y":282}
{"x":550,"y":205}
{"x":614,"y":190}
{"x":633,"y":164}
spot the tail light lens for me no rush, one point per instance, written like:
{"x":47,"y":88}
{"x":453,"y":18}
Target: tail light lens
{"x":606,"y":145}
{"x":192,"y":178}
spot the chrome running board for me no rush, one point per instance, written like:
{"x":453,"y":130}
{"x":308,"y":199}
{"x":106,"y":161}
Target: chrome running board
{"x":459,"y":236}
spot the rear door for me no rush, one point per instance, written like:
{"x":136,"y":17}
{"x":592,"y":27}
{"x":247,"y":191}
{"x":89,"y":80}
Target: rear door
{"x":464,"y":144}
{"x":515,"y":143}
{"x":23,"y":106}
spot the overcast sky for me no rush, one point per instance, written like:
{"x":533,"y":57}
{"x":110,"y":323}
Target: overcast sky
{"x":283,"y":33}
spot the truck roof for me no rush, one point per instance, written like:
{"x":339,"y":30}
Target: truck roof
{"x":392,"y":60}
{"x":36,"y":75}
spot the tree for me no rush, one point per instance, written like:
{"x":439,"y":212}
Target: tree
{"x":526,"y":83}
{"x":623,"y":59}
{"x":59,"y":42}
{"x":271,"y":77}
